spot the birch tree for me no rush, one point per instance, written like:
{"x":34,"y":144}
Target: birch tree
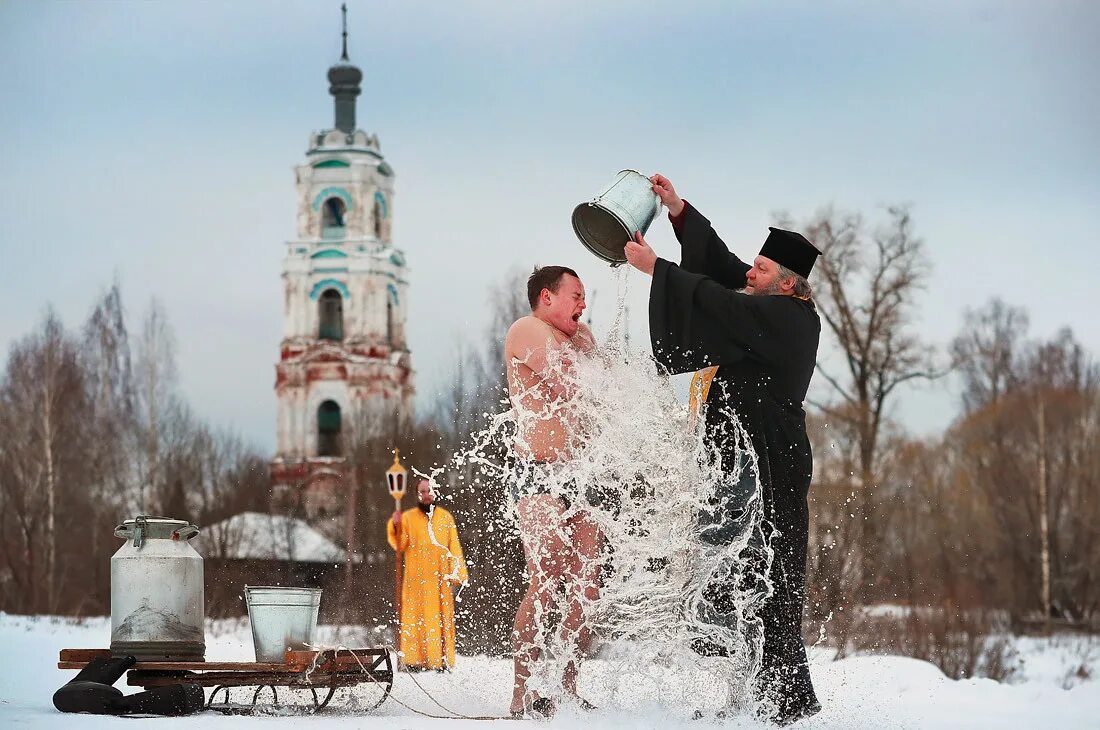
{"x":155,"y":395}
{"x":43,"y":401}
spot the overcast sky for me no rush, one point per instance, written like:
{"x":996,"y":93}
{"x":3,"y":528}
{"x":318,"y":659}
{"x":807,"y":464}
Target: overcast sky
{"x":156,"y":141}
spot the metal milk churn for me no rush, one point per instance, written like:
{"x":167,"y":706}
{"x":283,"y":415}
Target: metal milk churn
{"x":157,"y":591}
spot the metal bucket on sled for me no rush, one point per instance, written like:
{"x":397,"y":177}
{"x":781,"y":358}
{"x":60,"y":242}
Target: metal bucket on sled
{"x":281,"y":618}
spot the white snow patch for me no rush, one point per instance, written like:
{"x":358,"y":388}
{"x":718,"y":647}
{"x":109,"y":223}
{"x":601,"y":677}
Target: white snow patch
{"x":859,"y":692}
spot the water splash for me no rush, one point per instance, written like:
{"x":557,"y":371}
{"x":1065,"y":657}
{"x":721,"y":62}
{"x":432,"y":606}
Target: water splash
{"x":684,"y":555}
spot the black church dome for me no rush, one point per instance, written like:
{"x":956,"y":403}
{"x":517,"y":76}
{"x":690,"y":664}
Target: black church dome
{"x":344,"y":74}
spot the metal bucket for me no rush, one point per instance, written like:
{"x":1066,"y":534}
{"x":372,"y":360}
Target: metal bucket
{"x":607,"y":222}
{"x":281,"y":618}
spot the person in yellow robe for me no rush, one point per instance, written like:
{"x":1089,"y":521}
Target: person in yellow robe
{"x":428,"y":537}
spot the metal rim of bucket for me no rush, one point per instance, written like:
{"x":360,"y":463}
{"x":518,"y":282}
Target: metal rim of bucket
{"x":256,"y":595}
{"x":583,"y":234}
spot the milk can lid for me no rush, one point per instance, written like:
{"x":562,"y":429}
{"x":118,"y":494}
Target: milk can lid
{"x":157,"y":528}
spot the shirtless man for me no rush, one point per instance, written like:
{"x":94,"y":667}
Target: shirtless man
{"x":561,"y":551}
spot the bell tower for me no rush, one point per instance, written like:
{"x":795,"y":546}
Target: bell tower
{"x":344,"y":367}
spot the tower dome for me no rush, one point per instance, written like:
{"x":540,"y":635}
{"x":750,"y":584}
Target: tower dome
{"x":344,"y":79}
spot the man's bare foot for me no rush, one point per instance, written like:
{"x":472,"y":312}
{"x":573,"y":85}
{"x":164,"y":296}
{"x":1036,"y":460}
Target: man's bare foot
{"x":532,"y":706}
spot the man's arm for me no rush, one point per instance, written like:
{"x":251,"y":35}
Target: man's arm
{"x":391,"y":533}
{"x":701,"y":249}
{"x":761,"y":325}
{"x":528,"y":342}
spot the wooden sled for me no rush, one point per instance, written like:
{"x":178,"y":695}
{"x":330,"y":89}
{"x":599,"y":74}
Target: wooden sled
{"x":320,"y":672}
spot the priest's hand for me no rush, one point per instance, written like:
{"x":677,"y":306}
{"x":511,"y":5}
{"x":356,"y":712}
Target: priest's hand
{"x":396,"y":517}
{"x":667,"y":194}
{"x":640,"y":255}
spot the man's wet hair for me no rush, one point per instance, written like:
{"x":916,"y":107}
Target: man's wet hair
{"x":545,"y":277}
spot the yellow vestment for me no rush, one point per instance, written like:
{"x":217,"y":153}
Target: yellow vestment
{"x":700,"y":388}
{"x":431,"y":569}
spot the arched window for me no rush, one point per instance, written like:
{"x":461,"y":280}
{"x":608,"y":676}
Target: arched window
{"x":331,"y":307}
{"x":389,"y":322}
{"x":378,"y":214}
{"x":332,"y":218}
{"x":328,"y":429}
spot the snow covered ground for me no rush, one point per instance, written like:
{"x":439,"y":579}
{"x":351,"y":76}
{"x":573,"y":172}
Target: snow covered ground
{"x":859,"y":692}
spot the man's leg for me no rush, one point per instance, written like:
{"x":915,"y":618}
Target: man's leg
{"x":582,"y":590}
{"x":545,"y":549}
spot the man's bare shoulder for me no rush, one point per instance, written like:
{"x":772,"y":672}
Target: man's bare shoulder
{"x":527,"y":332}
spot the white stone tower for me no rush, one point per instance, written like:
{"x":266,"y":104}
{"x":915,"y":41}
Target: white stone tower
{"x":344,"y":367}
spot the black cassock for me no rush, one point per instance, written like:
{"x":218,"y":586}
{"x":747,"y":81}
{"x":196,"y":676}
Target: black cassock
{"x":765,"y":347}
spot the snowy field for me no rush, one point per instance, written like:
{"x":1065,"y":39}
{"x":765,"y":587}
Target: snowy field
{"x":860,"y":692}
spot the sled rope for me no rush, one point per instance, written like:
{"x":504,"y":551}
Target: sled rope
{"x":453,"y":715}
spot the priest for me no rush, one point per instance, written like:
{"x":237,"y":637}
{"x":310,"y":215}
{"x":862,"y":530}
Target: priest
{"x":428,"y":537}
{"x":751,"y":332}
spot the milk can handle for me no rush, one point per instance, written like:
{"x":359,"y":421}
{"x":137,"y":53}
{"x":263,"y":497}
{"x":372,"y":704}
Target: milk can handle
{"x":185,"y":533}
{"x":140,"y":525}
{"x":137,"y":531}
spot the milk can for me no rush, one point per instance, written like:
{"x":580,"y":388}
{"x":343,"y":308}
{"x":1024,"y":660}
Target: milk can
{"x":157,"y":591}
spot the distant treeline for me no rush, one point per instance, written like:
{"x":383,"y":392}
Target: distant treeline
{"x":93,"y":430}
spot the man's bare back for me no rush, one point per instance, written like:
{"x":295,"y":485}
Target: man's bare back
{"x":536,"y":353}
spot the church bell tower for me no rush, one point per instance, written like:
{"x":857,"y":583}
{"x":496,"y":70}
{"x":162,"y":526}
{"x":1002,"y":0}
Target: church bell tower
{"x":344,"y":369}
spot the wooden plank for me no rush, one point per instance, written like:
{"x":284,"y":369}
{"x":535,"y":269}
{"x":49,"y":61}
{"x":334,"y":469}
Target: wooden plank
{"x":256,"y":679}
{"x":344,"y":660}
{"x":82,"y":655}
{"x":199,"y":666}
{"x":342,"y":655}
{"x":296,"y":661}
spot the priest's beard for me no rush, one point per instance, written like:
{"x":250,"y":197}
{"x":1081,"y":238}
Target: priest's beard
{"x":648,"y":480}
{"x":770,"y":289}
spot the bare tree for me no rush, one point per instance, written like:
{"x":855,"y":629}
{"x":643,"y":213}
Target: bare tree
{"x":1027,"y":456}
{"x":987,"y":351}
{"x":105,"y":353}
{"x":866,"y":283}
{"x":75,"y":455}
{"x":155,"y":380}
{"x":43,"y":401}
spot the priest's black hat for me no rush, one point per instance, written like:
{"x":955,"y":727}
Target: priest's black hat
{"x":790,"y":249}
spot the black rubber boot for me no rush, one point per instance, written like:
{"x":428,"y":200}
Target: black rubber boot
{"x":175,"y":699}
{"x":105,"y":670}
{"x":91,"y":691}
{"x":92,"y":697}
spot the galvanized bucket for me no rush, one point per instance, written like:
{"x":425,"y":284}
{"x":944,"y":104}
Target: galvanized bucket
{"x":607,"y":222}
{"x":281,"y":618}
